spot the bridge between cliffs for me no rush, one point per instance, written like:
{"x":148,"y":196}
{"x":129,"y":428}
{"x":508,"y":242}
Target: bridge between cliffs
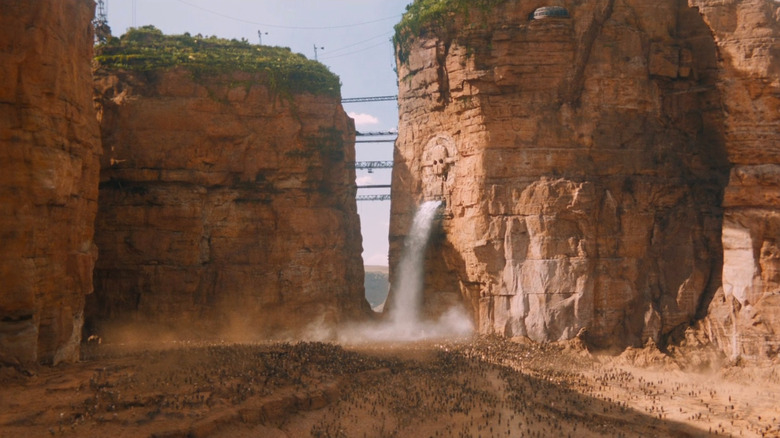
{"x":377,"y":137}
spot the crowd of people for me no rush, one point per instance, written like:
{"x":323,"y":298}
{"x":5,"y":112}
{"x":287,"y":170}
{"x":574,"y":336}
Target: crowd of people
{"x":482,"y":387}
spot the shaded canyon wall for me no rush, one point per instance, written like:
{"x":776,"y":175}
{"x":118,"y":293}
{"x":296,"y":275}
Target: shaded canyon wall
{"x":49,"y":147}
{"x":744,"y":317}
{"x":224,"y":205}
{"x":584,"y":160}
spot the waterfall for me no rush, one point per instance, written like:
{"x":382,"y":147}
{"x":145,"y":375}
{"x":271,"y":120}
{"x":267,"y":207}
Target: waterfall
{"x":404,"y":308}
{"x":408,"y":287}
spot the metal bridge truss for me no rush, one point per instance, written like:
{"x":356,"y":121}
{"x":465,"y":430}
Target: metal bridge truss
{"x":376,"y":141}
{"x":369,"y":99}
{"x":370,"y":165}
{"x":376,"y":133}
{"x":392,"y":134}
{"x":375,"y":186}
{"x":372,"y":198}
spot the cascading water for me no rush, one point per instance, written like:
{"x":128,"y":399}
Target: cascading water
{"x":407,"y":299}
{"x":404,"y":322}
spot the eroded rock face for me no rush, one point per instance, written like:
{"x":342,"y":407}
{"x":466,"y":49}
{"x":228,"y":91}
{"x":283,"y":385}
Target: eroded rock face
{"x":584,"y":167}
{"x":49,"y":147}
{"x":224,"y":206}
{"x":744,"y":316}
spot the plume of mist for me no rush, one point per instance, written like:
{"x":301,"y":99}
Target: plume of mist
{"x":452,"y":324}
{"x":404,"y":322}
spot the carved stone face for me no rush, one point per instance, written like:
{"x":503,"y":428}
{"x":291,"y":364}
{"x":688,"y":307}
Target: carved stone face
{"x":439,"y":163}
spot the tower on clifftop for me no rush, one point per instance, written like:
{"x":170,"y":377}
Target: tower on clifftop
{"x":102,"y":29}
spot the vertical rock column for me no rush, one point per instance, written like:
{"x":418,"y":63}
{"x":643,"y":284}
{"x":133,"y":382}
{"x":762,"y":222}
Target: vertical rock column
{"x":580,"y":156}
{"x":49,"y":148}
{"x":226,"y":208}
{"x":744,"y":316}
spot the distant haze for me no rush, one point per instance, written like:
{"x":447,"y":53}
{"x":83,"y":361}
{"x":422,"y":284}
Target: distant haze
{"x":377,"y":285}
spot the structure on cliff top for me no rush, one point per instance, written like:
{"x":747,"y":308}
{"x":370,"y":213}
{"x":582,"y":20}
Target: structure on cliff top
{"x":584,"y":163}
{"x":227,"y":189}
{"x":550,"y":12}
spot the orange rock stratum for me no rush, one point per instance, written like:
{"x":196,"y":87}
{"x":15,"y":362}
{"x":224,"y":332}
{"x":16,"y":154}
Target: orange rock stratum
{"x":49,"y":164}
{"x":584,"y":158}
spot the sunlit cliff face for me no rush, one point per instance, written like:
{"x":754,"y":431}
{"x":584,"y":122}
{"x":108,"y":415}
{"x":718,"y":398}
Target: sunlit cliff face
{"x":589,"y":160}
{"x":49,"y":164}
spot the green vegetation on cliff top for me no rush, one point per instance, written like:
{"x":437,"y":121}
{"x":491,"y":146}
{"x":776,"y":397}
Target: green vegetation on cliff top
{"x":436,"y":15}
{"x":147,"y":49}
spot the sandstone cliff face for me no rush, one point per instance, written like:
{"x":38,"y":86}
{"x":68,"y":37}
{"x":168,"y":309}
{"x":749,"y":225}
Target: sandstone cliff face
{"x":224,"y":205}
{"x":49,"y":147}
{"x":744,"y":317}
{"x":582,"y":163}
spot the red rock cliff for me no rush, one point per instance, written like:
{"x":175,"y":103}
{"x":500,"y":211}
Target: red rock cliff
{"x":744,"y":317}
{"x":225,"y":204}
{"x":584,"y":154}
{"x":49,"y":148}
{"x":581,"y":157}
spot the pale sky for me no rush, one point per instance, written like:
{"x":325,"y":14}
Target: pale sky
{"x":356,"y":36}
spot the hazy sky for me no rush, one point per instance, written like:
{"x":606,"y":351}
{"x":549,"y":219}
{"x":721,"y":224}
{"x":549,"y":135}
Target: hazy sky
{"x":356,"y":36}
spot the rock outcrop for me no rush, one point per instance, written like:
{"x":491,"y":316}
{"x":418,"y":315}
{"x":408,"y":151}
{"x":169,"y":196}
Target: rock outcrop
{"x":227,"y":200}
{"x":744,"y":316}
{"x":49,"y":147}
{"x":581,"y":156}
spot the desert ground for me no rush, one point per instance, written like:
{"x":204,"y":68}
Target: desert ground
{"x":477,"y":387}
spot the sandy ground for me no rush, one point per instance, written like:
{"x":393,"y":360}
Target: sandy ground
{"x":483,"y":387}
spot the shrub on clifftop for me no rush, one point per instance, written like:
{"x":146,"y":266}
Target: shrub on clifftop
{"x":434,"y":15}
{"x":147,"y":49}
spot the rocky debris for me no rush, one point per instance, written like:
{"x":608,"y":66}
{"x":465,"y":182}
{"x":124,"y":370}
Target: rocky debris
{"x":49,"y":164}
{"x":692,"y":350}
{"x":186,"y":390}
{"x":650,"y":356}
{"x":744,"y":320}
{"x":489,"y":387}
{"x":227,"y":206}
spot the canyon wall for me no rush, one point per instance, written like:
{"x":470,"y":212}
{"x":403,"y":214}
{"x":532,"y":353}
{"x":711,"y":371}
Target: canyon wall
{"x":581,"y":156}
{"x":227,"y":205}
{"x":49,"y":147}
{"x":744,"y":316}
